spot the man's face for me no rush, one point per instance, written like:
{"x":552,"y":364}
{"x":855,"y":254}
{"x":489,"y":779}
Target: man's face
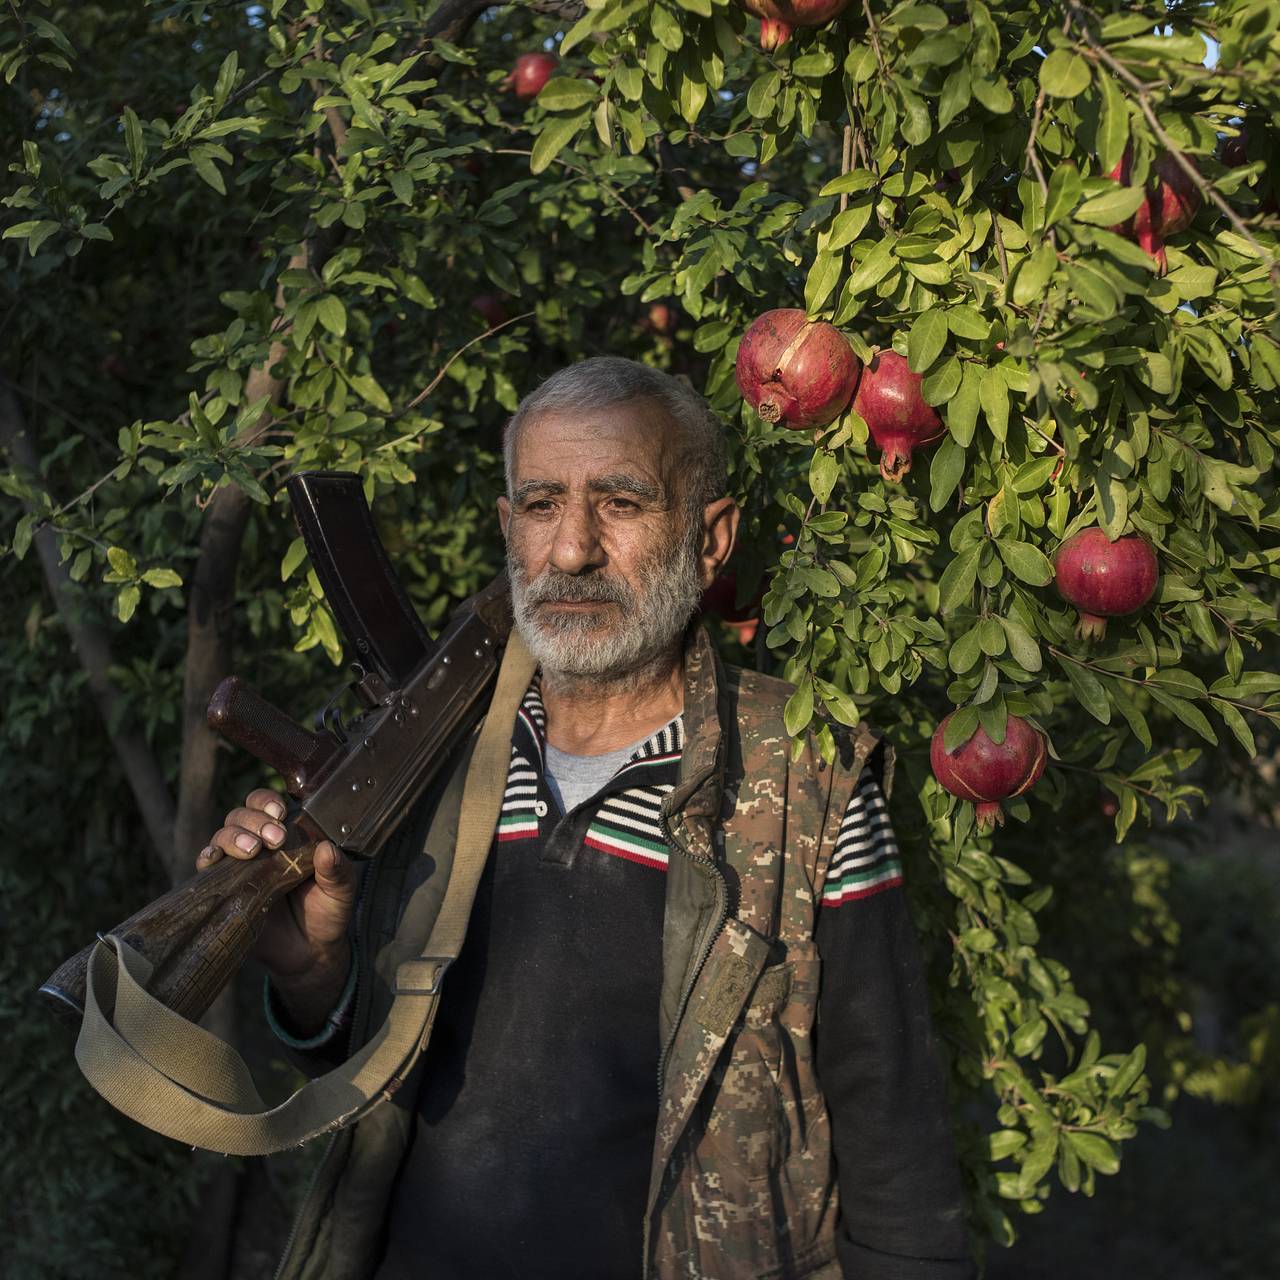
{"x":605,"y":568}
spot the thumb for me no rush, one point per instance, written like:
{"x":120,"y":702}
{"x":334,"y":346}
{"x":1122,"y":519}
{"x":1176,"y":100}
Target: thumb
{"x":334,"y":871}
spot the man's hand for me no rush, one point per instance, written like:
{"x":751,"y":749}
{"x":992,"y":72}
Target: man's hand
{"x":303,"y":944}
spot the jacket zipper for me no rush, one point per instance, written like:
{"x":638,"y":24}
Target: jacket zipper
{"x":361,"y":895}
{"x":722,"y":915}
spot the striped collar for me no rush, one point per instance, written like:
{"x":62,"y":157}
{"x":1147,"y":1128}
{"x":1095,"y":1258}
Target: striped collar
{"x":662,"y":748}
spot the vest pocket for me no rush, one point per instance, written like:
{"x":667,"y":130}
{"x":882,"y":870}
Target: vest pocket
{"x":745,"y":1120}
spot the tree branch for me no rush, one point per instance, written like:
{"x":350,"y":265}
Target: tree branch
{"x":93,"y":649}
{"x":1079,"y":16}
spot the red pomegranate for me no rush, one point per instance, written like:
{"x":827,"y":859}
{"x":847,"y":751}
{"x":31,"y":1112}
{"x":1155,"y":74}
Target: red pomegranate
{"x":490,"y":308}
{"x":661,"y":318}
{"x":987,"y":772}
{"x":531,"y":72}
{"x":779,"y":17}
{"x":1104,"y":579}
{"x":719,"y":599}
{"x":796,"y":371}
{"x":895,"y":412}
{"x":1169,"y":206}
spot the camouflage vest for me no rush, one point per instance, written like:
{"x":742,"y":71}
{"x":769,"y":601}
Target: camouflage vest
{"x":742,"y":1184}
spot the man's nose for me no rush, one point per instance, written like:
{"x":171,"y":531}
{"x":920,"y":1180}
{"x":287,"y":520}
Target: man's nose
{"x":576,"y":546}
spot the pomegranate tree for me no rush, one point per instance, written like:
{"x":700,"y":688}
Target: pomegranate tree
{"x":531,"y":72}
{"x":1104,"y":579}
{"x":895,"y":412}
{"x":778,"y":18}
{"x":796,"y":371}
{"x":987,"y":772}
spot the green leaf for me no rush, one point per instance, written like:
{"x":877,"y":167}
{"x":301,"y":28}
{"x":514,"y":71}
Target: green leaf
{"x":368,"y":389}
{"x":872,"y":269}
{"x":1065,"y":186}
{"x":821,"y":280}
{"x":1033,"y":274}
{"x":962,"y":408}
{"x":956,"y":584}
{"x":1022,"y":645}
{"x":1234,"y":721}
{"x":553,"y":138}
{"x":1187,"y":712}
{"x":942,"y":383}
{"x":968,"y":322}
{"x":292,"y":558}
{"x":1093,"y":1150}
{"x":1111,"y":207}
{"x":566,"y":93}
{"x":1026,"y":561}
{"x":1064,"y":74}
{"x":127,"y":601}
{"x":960,"y":728}
{"x":162,"y":578}
{"x":1088,"y":690}
{"x":666,"y":28}
{"x":993,"y":392}
{"x":945,"y":471}
{"x":798,"y":712}
{"x":925,"y":339}
{"x":1113,"y":124}
{"x":333,"y":315}
{"x":824,"y":471}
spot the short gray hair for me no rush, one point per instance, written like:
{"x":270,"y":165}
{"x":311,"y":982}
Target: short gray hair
{"x":602,"y":381}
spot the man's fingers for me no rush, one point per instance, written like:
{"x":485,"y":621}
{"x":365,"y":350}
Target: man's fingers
{"x":269,"y":802}
{"x":259,"y":827}
{"x":207,"y":857}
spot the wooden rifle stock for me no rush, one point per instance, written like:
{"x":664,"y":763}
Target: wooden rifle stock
{"x":354,"y":784}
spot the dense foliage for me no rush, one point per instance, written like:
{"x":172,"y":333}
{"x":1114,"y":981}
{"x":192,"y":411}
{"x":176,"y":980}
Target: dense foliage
{"x":245,"y":240}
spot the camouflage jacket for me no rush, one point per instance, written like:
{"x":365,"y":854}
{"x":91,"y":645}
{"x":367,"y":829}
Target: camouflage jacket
{"x":742,"y":1181}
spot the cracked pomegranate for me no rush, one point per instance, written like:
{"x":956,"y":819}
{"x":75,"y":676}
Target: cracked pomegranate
{"x":796,"y":371}
{"x":987,"y":772}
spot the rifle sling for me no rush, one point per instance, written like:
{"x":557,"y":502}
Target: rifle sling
{"x":167,"y":1073}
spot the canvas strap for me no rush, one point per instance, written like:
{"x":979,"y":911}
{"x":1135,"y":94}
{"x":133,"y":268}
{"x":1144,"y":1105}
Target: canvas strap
{"x":165,"y":1072}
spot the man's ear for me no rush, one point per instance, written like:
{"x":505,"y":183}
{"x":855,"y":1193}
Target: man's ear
{"x":504,"y":515}
{"x":719,"y":534}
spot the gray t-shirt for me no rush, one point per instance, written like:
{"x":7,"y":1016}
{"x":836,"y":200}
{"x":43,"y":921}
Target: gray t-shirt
{"x":573,"y":779}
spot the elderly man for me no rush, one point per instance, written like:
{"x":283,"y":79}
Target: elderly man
{"x":687,"y":1035}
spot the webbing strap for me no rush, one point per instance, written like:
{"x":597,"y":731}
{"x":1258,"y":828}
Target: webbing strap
{"x":165,"y":1072}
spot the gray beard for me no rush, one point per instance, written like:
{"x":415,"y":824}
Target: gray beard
{"x":575,"y":649}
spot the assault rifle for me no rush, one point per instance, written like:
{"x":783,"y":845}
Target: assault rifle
{"x":353,"y":782}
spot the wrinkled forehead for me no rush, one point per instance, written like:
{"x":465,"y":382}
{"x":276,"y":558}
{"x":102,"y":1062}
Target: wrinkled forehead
{"x":574,"y":446}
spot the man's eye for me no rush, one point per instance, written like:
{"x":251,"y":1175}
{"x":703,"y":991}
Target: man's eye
{"x":623,"y":504}
{"x":539,"y":504}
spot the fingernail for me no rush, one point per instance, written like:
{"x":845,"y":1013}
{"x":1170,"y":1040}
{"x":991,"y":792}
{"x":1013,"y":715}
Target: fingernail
{"x":247,"y":842}
{"x":272,"y":834}
{"x":205,"y":854}
{"x":275,"y":810}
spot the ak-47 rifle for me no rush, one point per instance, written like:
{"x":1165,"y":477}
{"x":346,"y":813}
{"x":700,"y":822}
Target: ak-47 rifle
{"x":354,"y":782}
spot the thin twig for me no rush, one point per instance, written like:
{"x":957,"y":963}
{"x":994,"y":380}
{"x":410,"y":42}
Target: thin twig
{"x":846,"y":160}
{"x":573,"y":168}
{"x":874,"y":32}
{"x":1080,"y":15}
{"x":435,"y":382}
{"x":1000,"y":253}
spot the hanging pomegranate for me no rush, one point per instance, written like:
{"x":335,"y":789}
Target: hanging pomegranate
{"x":720,"y":600}
{"x":1104,"y":579}
{"x":1168,"y":206}
{"x":987,"y":772}
{"x":490,"y":308}
{"x":895,"y":412}
{"x":796,"y":371}
{"x":779,"y":17}
{"x":531,"y":72}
